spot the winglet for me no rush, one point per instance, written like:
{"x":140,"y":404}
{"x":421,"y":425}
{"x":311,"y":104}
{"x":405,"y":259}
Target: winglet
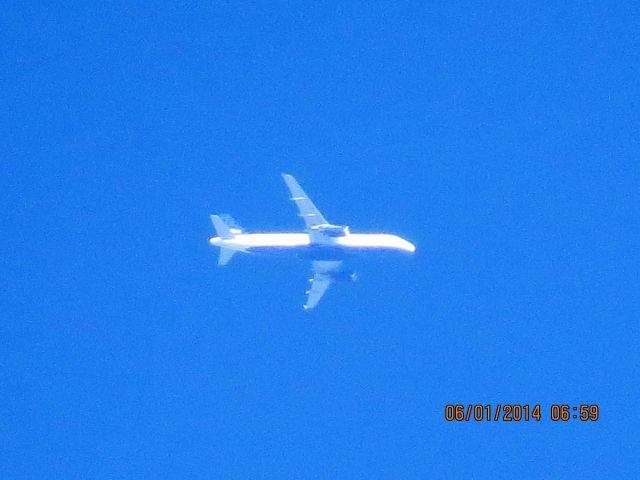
{"x":294,"y":186}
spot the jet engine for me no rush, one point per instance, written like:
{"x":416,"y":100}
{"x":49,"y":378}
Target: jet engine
{"x":344,"y":276}
{"x":332,"y":230}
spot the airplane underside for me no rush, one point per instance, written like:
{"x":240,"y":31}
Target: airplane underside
{"x":326,"y":245}
{"x":320,"y":252}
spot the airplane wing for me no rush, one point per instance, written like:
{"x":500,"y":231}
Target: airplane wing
{"x":308,"y":211}
{"x":321,"y":280}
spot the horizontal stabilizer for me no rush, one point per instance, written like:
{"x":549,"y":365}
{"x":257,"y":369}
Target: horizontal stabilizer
{"x":222,"y":229}
{"x":225,"y":256}
{"x":231,"y":222}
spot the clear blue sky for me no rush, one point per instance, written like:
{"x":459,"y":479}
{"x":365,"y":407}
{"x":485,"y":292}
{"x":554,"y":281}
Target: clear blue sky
{"x":501,"y":139}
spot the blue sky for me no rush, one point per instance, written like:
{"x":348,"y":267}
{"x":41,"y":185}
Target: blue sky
{"x":501,"y":139}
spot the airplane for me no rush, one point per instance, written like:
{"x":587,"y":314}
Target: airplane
{"x":324,"y":243}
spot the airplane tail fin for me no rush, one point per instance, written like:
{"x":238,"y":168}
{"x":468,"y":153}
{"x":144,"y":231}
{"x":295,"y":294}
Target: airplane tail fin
{"x":224,"y":231}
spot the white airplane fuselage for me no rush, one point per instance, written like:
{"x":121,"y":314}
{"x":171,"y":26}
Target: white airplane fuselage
{"x":327,"y":245}
{"x":301,"y":243}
